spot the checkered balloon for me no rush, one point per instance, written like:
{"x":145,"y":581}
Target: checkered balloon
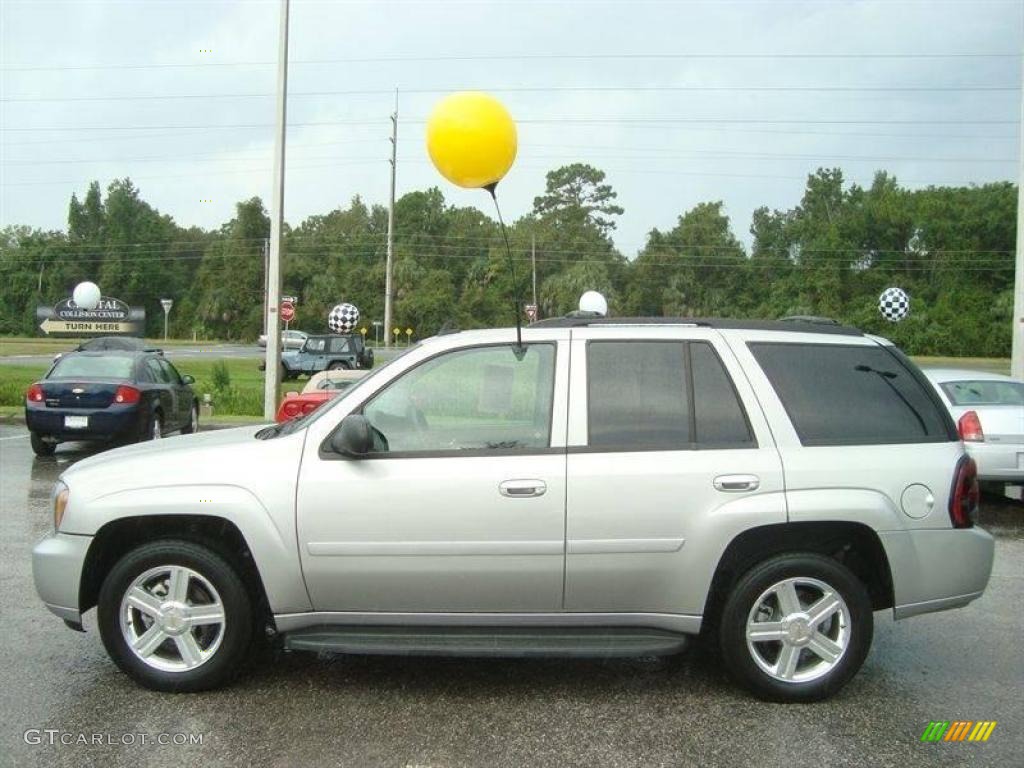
{"x":894,"y":304}
{"x":343,"y":318}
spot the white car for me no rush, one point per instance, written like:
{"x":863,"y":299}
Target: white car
{"x":989,"y":411}
{"x":289,"y":339}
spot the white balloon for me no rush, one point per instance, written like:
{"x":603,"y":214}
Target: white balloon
{"x":592,"y":301}
{"x":86,"y":295}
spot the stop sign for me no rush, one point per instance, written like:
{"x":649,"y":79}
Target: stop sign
{"x":287,"y":311}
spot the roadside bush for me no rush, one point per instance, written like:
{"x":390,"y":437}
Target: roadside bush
{"x":221,"y":377}
{"x":12,"y":393}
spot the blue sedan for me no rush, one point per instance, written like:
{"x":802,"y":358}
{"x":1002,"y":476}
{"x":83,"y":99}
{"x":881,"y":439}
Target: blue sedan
{"x":110,"y":395}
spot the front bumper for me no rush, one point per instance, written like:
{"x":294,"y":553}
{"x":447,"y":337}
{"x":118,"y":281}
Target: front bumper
{"x":934,"y":570}
{"x":57,"y":563}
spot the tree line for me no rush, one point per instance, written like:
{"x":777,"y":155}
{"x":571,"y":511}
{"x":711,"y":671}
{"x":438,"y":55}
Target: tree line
{"x":832,"y":254}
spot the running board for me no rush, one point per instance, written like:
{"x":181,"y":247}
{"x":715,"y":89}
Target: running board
{"x":486,"y":641}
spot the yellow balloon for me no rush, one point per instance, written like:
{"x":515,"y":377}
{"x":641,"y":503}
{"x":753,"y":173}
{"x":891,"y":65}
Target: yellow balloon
{"x":472,"y":139}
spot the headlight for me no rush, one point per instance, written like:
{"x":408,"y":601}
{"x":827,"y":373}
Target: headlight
{"x":60,"y":503}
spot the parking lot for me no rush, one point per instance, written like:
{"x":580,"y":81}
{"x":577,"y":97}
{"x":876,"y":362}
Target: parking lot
{"x":300,"y":709}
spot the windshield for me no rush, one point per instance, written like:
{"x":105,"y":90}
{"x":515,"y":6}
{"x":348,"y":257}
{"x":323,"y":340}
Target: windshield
{"x":984,"y":392}
{"x":87,"y":367}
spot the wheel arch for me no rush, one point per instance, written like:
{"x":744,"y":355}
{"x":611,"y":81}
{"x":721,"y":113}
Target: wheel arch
{"x":855,"y":545}
{"x":219,"y":534}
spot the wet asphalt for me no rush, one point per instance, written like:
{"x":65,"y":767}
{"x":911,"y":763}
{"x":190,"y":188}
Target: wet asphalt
{"x":295,"y":709}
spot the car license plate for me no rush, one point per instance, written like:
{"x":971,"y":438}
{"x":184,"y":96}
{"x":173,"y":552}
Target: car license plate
{"x":76,"y":422}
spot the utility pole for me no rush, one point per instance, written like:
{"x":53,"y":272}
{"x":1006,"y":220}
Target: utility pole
{"x":533,"y":262}
{"x":272,"y":381}
{"x":266,"y":268}
{"x":1017,"y":355}
{"x":389,"y":264}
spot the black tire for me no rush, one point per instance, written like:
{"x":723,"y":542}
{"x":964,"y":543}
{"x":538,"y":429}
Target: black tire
{"x":338,"y":365}
{"x":193,"y":420}
{"x":740,"y":660}
{"x":237,"y":629}
{"x":41,"y":447}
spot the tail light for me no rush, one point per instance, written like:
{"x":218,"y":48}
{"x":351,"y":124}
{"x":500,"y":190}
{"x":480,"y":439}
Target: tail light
{"x":970,"y":429}
{"x":35,"y":393}
{"x":291,"y":410}
{"x":963,"y":499}
{"x":126,"y":395}
{"x":310,"y":407}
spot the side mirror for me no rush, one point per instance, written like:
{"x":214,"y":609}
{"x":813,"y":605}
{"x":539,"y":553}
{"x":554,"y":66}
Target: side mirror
{"x":188,"y":379}
{"x":352,"y":438}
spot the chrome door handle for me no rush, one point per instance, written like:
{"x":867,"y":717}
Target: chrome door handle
{"x":522,"y":489}
{"x":737,"y":483}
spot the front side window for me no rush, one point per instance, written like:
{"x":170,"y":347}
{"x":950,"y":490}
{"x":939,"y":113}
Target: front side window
{"x":478,"y":399}
{"x":155,"y":371}
{"x":171,"y":375}
{"x":316,"y":346}
{"x":838,"y":394}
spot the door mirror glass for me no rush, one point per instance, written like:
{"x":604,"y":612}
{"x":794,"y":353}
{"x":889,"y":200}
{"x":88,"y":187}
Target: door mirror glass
{"x":188,"y":379}
{"x":352,"y":437}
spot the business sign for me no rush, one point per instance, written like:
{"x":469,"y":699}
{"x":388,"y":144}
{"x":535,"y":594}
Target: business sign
{"x":110,"y":317}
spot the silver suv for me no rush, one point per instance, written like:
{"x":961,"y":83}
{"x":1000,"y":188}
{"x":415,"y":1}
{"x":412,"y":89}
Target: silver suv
{"x":611,"y":487}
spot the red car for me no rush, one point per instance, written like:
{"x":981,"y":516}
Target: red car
{"x":318,"y":390}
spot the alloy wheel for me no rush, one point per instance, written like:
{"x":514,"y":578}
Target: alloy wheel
{"x":172,"y":618}
{"x":798,"y":630}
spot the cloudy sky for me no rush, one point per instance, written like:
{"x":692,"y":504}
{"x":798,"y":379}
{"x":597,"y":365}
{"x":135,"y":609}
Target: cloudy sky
{"x":679,"y":102}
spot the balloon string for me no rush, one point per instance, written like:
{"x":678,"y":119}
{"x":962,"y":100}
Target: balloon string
{"x":511,"y":267}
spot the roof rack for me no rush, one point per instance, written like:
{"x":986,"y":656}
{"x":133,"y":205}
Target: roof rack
{"x":814,"y":325}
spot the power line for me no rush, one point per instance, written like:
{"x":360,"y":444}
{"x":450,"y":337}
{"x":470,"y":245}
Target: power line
{"x":662,"y":153}
{"x":552,"y":120}
{"x":832,"y":55}
{"x":544,"y":89}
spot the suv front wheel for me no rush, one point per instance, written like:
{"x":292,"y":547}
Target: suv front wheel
{"x":175,"y":616}
{"x":796,"y":627}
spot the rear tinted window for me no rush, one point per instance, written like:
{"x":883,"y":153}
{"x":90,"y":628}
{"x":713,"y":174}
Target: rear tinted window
{"x":850,"y":395}
{"x":984,"y":392}
{"x":721,"y":421}
{"x":75,"y":367}
{"x":637,"y":395}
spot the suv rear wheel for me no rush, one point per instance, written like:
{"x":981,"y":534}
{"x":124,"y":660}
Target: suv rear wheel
{"x":796,"y":627}
{"x":175,"y":616}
